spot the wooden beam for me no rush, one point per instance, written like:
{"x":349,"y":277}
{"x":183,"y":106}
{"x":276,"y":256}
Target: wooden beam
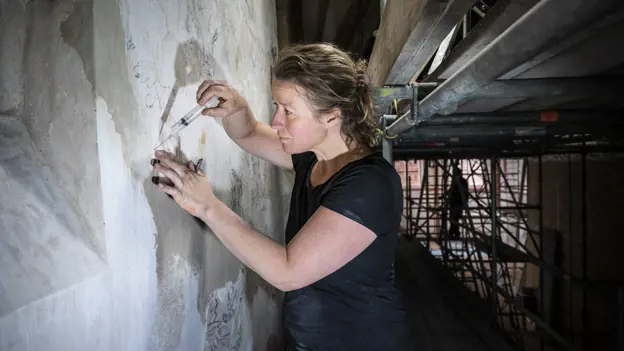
{"x":397,"y":22}
{"x":363,"y":37}
{"x":502,"y":15}
{"x":336,"y":13}
{"x":282,"y":12}
{"x":295,"y":20}
{"x":309,"y":20}
{"x":444,"y":49}
{"x":409,"y":35}
{"x":349,"y":25}
{"x":323,"y":7}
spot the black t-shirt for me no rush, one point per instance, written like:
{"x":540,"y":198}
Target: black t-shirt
{"x":356,"y":307}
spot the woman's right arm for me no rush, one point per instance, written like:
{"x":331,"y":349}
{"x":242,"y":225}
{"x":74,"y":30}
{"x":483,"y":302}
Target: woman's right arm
{"x":253,"y":136}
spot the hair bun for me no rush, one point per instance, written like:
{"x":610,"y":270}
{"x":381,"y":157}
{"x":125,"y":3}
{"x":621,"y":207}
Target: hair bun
{"x":363,"y":79}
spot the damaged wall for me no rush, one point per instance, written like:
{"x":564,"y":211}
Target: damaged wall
{"x":93,"y":256}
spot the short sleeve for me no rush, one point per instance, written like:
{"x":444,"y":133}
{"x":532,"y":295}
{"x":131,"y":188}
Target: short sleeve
{"x":369,"y":195}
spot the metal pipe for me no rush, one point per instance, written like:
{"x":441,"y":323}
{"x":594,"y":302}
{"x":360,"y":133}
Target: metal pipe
{"x":584,"y":246}
{"x":493,"y":264}
{"x":571,"y":250}
{"x":425,"y":190}
{"x":407,"y":197}
{"x":484,"y":134}
{"x":538,"y":118}
{"x":386,"y":147}
{"x":621,"y":318}
{"x":435,"y":195}
{"x":546,"y":22}
{"x":549,"y":87}
{"x":540,"y":196}
{"x":605,"y":87}
{"x":427,"y":152}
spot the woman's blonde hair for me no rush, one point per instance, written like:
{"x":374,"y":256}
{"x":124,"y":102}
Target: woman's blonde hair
{"x":330,"y":79}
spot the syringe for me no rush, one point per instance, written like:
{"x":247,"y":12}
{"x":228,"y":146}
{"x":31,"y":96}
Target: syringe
{"x":183,"y":122}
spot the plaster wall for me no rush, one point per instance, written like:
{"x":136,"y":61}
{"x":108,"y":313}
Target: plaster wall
{"x":93,"y":257}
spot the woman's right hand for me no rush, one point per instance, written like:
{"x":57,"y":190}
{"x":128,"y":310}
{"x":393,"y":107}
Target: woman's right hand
{"x":255,"y":137}
{"x":231,"y":102}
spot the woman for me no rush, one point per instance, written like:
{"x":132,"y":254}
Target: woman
{"x":346,"y":204}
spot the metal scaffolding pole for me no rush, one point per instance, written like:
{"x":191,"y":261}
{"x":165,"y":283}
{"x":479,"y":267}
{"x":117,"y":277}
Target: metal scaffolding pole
{"x":570,"y":248}
{"x":584,"y":244}
{"x":540,"y":197}
{"x":620,"y":333}
{"x":386,"y":147}
{"x":493,"y":268}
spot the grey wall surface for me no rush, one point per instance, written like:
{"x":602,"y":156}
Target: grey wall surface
{"x":92,"y":256}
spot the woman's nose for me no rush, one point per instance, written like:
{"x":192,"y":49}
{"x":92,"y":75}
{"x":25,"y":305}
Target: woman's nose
{"x":278,"y":120}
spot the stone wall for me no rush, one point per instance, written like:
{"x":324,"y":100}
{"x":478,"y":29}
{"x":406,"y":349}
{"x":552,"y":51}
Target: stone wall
{"x":93,"y":256}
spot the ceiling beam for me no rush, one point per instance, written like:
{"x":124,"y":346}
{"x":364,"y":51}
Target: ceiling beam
{"x":337,"y":11}
{"x":548,"y":22}
{"x":323,"y":8}
{"x":550,"y":89}
{"x":409,"y":34}
{"x":595,"y":117}
{"x":502,"y":15}
{"x":282,"y":12}
{"x":351,"y":24}
{"x":369,"y":21}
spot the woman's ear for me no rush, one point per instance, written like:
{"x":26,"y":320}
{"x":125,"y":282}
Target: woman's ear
{"x":332,"y":118}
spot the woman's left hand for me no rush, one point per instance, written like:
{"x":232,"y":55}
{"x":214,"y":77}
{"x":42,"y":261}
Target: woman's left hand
{"x":191,"y":189}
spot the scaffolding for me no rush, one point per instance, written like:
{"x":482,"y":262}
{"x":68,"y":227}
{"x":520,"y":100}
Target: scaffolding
{"x":467,"y":119}
{"x":502,"y":251}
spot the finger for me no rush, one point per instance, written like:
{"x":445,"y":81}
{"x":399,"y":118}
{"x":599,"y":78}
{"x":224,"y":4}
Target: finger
{"x":205,"y":85}
{"x":169,"y":173}
{"x":175,"y":193}
{"x":164,"y":153}
{"x":196,"y":169}
{"x":202,"y":87}
{"x":217,"y":90}
{"x":169,"y":161}
{"x":158,"y":180}
{"x":192,"y":166}
{"x":199,"y":165}
{"x":218,"y":112}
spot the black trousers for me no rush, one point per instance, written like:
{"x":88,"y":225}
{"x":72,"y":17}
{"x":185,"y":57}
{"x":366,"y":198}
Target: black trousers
{"x":454,"y":217}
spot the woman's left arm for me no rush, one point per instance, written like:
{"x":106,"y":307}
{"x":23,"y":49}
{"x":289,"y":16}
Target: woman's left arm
{"x":315,"y":252}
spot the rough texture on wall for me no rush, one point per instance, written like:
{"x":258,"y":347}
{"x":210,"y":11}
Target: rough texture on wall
{"x":93,"y":256}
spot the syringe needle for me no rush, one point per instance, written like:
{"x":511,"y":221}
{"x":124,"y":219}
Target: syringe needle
{"x":164,"y":141}
{"x":187,"y":119}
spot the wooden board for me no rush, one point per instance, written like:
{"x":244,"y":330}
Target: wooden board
{"x":409,"y":35}
{"x":397,"y":22}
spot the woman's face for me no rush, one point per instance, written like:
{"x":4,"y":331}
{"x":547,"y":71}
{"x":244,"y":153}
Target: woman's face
{"x":298,"y":128}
